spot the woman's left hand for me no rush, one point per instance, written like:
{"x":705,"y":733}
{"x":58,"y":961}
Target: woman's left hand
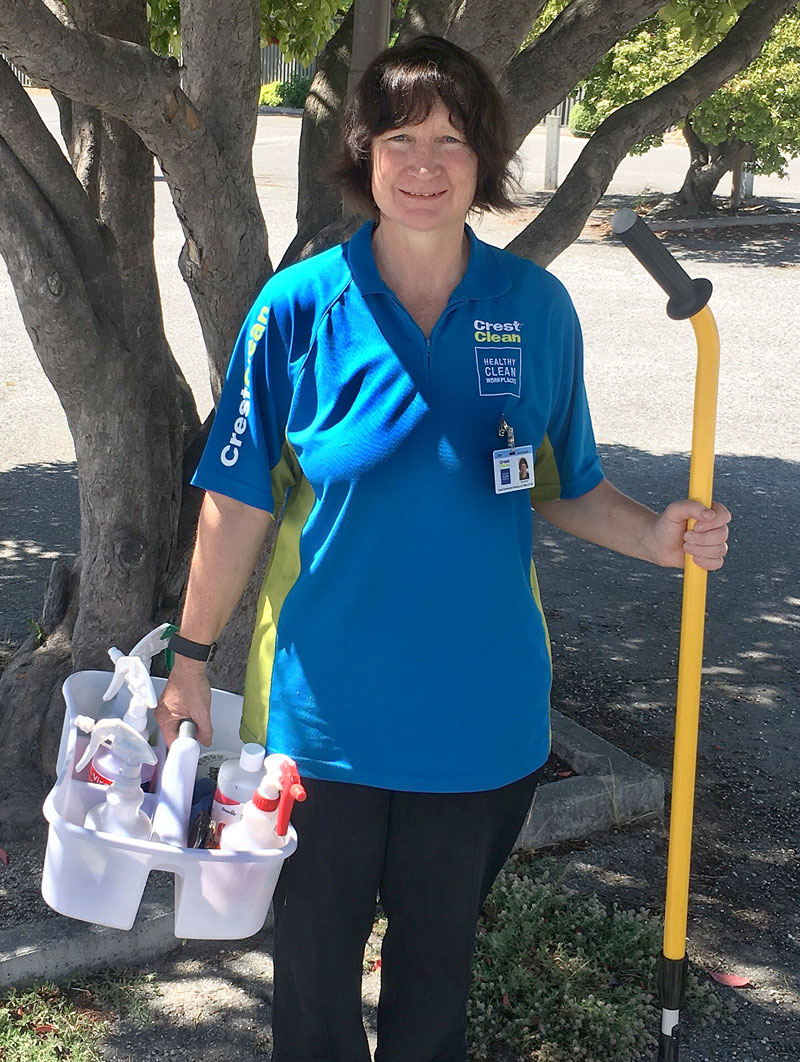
{"x":707,"y":542}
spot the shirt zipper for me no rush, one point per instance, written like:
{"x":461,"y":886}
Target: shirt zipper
{"x":429,"y":339}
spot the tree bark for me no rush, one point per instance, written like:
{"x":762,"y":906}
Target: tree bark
{"x":563,"y":218}
{"x":319,"y":204}
{"x":545,"y":72}
{"x":81,"y":262}
{"x":225,"y":259}
{"x":494,"y":33}
{"x":708,"y":165}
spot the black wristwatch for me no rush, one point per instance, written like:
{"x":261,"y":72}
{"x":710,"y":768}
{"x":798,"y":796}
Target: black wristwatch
{"x":194,"y":650}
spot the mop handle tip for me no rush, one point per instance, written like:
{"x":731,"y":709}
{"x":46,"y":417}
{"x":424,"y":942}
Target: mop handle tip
{"x":687,"y":297}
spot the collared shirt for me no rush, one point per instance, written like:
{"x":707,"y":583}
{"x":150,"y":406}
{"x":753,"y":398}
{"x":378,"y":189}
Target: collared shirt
{"x":400,"y":642}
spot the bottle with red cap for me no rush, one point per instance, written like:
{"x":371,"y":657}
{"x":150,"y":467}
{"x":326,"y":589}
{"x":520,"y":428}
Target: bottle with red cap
{"x":236,"y":780}
{"x":264,"y":821}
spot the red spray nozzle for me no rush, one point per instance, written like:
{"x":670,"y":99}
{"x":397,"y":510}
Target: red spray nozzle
{"x":291,"y":790}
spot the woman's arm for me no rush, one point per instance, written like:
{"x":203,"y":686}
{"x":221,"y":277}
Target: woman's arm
{"x":609,"y":518}
{"x":230,"y":537}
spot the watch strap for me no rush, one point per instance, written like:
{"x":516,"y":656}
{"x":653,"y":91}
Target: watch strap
{"x":194,"y":650}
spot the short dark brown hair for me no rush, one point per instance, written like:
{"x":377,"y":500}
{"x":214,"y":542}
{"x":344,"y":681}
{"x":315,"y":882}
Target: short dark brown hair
{"x":400,"y":87}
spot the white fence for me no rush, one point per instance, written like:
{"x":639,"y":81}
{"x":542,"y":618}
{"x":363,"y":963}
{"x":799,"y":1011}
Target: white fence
{"x":275,"y":68}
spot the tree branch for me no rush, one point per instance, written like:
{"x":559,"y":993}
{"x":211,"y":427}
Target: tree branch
{"x":550,"y":68}
{"x":221,"y":55}
{"x":52,"y":297}
{"x":564,"y":216}
{"x":491,"y":31}
{"x":224,"y":260}
{"x":27,"y":137}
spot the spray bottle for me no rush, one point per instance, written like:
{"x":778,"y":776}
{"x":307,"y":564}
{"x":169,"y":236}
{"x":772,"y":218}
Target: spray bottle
{"x":121,"y":811}
{"x":132,"y":671}
{"x":171,"y":817}
{"x":265,"y":818}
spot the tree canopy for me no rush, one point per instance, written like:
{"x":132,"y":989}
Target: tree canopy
{"x":758,"y":106}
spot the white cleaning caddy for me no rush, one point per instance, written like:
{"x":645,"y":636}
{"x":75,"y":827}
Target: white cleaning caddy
{"x":97,"y":877}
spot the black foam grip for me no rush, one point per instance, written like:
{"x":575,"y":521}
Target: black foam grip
{"x":686,"y":296}
{"x":668,"y":1048}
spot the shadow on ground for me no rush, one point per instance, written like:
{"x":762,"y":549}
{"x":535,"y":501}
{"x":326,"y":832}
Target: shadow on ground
{"x":39,"y":522}
{"x":749,"y":245}
{"x":615,"y":626}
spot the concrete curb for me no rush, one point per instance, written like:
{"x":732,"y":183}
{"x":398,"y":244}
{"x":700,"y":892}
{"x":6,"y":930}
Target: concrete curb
{"x":691,"y":224}
{"x":280,"y":110}
{"x":611,"y":788}
{"x":58,"y":946}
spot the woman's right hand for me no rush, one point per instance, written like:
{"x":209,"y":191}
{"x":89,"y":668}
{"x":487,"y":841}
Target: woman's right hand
{"x":187,"y":695}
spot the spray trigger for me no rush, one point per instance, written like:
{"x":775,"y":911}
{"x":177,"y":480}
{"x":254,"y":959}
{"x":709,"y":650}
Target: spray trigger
{"x":125,"y":741}
{"x":152,"y":643}
{"x":133,"y":671}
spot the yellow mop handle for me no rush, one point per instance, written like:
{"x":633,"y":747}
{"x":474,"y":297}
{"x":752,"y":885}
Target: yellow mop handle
{"x":690,"y":660}
{"x":687,"y":301}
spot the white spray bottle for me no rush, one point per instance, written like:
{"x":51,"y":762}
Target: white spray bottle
{"x":121,"y":811}
{"x":264,"y":820}
{"x":131,"y":671}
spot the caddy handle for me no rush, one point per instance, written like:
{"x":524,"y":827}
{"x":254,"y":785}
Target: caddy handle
{"x":686,"y":296}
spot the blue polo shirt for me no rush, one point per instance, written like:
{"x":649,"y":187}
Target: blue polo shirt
{"x":400,"y":641}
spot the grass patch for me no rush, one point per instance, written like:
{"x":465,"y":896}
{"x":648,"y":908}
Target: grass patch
{"x":67,"y":1022}
{"x":559,"y":977}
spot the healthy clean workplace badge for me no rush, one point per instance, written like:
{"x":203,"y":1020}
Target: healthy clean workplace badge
{"x":498,"y":359}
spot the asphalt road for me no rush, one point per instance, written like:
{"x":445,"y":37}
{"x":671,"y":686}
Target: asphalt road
{"x":639,"y":365}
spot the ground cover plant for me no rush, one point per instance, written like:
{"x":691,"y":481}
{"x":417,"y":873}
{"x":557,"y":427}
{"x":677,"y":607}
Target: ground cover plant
{"x":559,"y":976}
{"x":67,"y":1022}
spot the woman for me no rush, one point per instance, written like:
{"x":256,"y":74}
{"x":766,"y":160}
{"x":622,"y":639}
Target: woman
{"x":364,"y":401}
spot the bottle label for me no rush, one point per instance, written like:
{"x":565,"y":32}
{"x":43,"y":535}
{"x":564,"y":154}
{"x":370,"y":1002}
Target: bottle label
{"x":224,"y":811}
{"x":96,"y":777}
{"x":100,"y":779}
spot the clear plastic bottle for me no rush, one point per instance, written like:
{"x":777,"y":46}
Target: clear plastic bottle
{"x":236,"y":782}
{"x":121,"y":811}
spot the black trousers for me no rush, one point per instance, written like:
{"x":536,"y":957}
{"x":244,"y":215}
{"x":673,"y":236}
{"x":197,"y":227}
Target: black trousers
{"x":432,"y":857}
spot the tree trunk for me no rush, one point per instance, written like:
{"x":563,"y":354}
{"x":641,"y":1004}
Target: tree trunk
{"x":708,"y":165}
{"x":110,"y":363}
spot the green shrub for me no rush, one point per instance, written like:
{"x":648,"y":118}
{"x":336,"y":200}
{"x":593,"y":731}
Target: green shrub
{"x":291,"y":93}
{"x":295,"y":90}
{"x":270,"y":95}
{"x":559,"y":977}
{"x":582,"y":121}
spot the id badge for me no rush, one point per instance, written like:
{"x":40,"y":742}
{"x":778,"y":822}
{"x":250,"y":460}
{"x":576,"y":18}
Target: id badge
{"x":513,"y":469}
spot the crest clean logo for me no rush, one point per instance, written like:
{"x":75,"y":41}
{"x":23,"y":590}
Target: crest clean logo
{"x":499,"y":357}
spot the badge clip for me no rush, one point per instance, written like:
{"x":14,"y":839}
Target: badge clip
{"x":506,"y":429}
